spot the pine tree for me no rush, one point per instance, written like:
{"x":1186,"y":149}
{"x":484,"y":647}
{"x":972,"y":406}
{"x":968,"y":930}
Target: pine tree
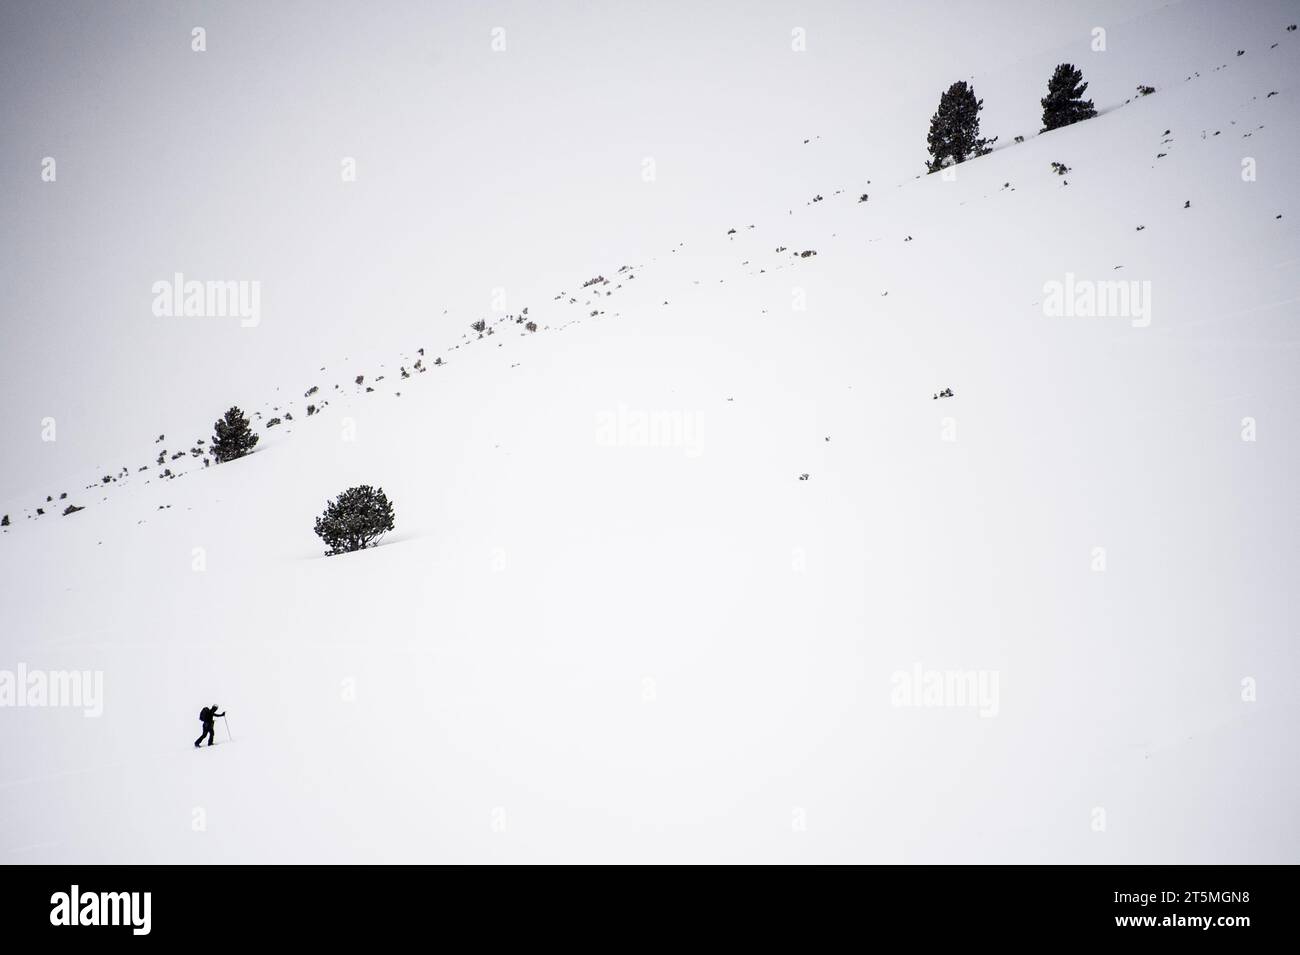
{"x":955,"y":128}
{"x":358,"y":518}
{"x":1064,"y":103}
{"x":233,"y":438}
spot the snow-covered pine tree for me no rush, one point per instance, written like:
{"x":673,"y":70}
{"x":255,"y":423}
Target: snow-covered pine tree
{"x":233,"y":437}
{"x":955,"y":128}
{"x":1064,"y":103}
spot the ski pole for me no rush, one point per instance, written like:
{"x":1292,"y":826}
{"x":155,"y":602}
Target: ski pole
{"x":227,"y":722}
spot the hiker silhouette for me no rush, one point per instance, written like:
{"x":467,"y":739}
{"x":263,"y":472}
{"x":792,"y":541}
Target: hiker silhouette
{"x":206,"y":716}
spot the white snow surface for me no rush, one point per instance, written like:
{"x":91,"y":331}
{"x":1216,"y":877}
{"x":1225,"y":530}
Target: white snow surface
{"x":576,"y":648}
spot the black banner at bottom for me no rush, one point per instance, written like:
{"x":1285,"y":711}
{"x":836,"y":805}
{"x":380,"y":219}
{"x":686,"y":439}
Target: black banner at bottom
{"x":220,"y":905}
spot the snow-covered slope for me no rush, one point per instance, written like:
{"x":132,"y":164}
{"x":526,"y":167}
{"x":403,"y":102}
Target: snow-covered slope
{"x":616,"y":622}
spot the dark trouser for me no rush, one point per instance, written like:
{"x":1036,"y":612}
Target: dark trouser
{"x":208,"y":732}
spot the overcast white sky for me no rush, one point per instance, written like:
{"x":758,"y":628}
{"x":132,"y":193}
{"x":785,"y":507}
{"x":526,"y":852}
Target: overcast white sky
{"x":477,"y":169}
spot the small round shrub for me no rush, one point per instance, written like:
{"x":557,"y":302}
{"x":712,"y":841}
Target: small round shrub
{"x":356,"y":519}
